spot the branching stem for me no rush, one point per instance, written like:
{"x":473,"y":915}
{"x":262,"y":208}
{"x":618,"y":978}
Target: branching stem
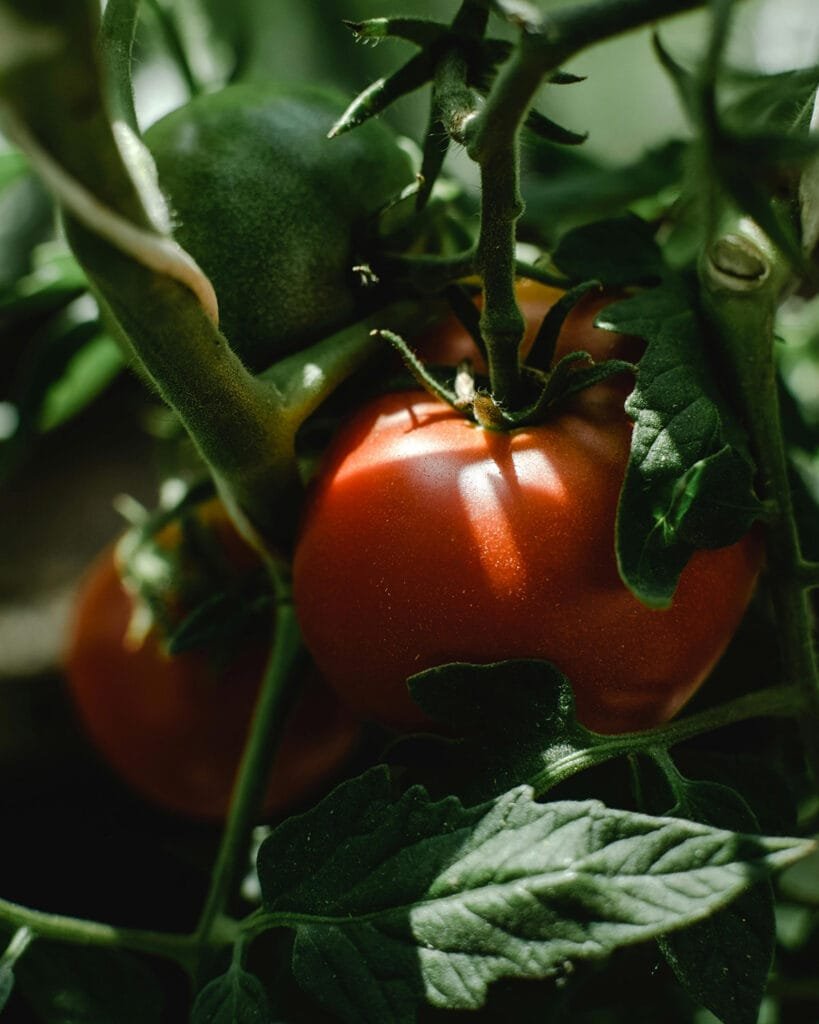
{"x":493,"y":141}
{"x":776,"y":700}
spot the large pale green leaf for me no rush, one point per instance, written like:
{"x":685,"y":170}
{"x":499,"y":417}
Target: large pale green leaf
{"x":398,"y":900}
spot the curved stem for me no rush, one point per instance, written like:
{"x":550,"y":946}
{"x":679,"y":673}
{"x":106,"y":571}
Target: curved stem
{"x":254,"y":770}
{"x":180,"y":948}
{"x":777,"y":700}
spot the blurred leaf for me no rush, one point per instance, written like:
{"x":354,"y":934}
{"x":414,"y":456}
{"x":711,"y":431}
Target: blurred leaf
{"x":396,"y":901}
{"x":67,"y":984}
{"x":67,"y":365}
{"x":223,"y":621}
{"x":615,"y":252}
{"x":760,"y":100}
{"x":26,"y":219}
{"x":564,"y":188}
{"x":55,"y":280}
{"x":740,"y":159}
{"x":12,"y":166}
{"x":86,"y":375}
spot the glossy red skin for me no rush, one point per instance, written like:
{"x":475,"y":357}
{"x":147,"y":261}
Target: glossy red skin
{"x":430,"y":540}
{"x":173,"y":728}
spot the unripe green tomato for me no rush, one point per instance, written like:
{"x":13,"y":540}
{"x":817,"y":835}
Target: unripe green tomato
{"x":273,"y":211}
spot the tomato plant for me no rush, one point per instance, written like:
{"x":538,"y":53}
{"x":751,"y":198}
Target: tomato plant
{"x":173,"y":726}
{"x":574,"y":503}
{"x":430,"y":539}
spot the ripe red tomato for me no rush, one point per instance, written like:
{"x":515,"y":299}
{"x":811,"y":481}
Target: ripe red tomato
{"x":430,"y":540}
{"x":173,"y":727}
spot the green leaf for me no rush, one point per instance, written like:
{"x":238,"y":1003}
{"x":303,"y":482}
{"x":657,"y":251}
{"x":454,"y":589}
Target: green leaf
{"x":70,"y":985}
{"x":86,"y":375}
{"x":545,"y":128}
{"x":71,"y":362}
{"x":397,"y":901}
{"x":770,"y":100}
{"x":615,"y":252}
{"x":542,"y":352}
{"x":567,"y":379}
{"x":519,"y":720}
{"x":724,"y":961}
{"x":383,"y":92}
{"x":689,"y":480}
{"x":236,"y":997}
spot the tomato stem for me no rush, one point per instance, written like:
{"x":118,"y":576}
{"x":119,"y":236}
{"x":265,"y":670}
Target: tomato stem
{"x":254,"y":770}
{"x":741,"y":311}
{"x":183,"y":949}
{"x":493,"y":140}
{"x":781,"y":701}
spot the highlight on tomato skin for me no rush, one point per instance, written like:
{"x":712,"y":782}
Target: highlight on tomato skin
{"x":173,"y":727}
{"x":430,"y":540}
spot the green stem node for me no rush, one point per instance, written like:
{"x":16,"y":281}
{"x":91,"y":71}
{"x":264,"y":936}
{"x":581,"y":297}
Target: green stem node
{"x":743,"y":277}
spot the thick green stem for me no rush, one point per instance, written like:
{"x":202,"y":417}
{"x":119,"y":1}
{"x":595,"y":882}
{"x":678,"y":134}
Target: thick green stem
{"x":254,"y":771}
{"x":743,"y":277}
{"x":58,"y":112}
{"x":181,"y":948}
{"x":778,"y":700}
